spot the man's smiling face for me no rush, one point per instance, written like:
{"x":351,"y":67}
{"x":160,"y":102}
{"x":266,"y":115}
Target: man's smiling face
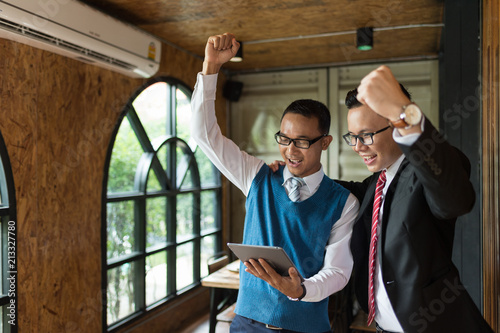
{"x":384,"y":151}
{"x":302,"y":162}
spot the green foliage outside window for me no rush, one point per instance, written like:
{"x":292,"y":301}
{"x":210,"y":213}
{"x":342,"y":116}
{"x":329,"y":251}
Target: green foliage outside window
{"x":163,"y":204}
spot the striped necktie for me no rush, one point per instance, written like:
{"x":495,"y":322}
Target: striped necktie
{"x":373,"y":246}
{"x":296,"y":184}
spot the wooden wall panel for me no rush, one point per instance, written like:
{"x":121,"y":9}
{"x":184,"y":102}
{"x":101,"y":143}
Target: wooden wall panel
{"x":57,"y":116}
{"x":168,"y":319}
{"x":491,"y":165}
{"x":18,"y":125}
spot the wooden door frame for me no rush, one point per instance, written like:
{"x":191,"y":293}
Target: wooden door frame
{"x":490,"y":161}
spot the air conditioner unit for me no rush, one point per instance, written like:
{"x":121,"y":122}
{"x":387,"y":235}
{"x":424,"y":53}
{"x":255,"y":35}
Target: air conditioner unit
{"x":73,"y":29}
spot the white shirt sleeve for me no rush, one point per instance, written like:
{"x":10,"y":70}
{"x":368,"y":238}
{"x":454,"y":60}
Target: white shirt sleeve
{"x":337,"y":267}
{"x":237,"y":166}
{"x":409,"y":139}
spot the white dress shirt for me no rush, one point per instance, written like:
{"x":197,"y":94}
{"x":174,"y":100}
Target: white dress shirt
{"x":384,"y":312}
{"x":241,"y":168}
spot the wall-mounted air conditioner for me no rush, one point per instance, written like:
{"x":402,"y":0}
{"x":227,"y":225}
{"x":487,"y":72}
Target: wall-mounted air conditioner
{"x":73,"y":29}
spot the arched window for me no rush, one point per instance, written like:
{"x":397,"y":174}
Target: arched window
{"x":162,"y":208}
{"x":8,"y":241}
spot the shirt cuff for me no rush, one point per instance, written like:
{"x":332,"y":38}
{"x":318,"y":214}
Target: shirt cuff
{"x":409,"y":139}
{"x":208,"y":84}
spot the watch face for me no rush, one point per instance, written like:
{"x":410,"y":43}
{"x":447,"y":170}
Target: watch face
{"x":413,"y":115}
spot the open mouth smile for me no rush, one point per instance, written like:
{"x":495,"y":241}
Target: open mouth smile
{"x":369,"y":159}
{"x":294,"y":162}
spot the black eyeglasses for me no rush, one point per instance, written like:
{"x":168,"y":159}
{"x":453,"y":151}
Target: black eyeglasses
{"x":299,"y":143}
{"x":365,"y":138}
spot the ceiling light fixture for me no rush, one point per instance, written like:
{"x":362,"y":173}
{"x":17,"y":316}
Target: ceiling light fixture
{"x":239,"y":55}
{"x":364,"y":38}
{"x":342,"y":33}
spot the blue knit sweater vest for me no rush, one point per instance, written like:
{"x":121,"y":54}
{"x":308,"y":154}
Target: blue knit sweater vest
{"x":302,"y":229}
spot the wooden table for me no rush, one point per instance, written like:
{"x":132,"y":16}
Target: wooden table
{"x":227,"y":277}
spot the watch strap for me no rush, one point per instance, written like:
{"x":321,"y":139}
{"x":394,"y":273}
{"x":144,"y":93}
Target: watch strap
{"x":400,"y":123}
{"x":304,"y":291}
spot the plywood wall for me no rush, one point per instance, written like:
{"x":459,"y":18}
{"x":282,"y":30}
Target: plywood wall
{"x":57,"y":116}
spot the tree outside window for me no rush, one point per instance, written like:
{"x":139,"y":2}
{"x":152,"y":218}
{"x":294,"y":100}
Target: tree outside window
{"x":162,"y":208}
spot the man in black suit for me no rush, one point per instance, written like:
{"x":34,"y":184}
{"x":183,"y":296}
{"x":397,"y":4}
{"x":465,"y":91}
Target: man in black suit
{"x":415,"y":286}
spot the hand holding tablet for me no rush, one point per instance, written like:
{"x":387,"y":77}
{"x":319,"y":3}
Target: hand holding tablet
{"x":275,"y":256}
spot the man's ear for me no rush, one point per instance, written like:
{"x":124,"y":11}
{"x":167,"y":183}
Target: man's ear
{"x":325,"y":142}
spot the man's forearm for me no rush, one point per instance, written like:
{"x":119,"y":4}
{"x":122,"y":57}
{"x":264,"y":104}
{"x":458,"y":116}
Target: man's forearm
{"x":210,"y":68}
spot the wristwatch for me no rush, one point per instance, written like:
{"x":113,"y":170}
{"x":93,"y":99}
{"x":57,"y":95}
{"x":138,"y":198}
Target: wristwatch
{"x":301,"y":296}
{"x":410,"y":116}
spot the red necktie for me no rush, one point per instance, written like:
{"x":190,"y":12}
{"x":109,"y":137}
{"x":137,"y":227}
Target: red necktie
{"x":373,"y":246}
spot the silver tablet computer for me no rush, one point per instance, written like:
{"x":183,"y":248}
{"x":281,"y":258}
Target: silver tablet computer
{"x":274,"y":255}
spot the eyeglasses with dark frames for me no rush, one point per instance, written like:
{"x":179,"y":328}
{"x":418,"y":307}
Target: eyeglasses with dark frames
{"x":299,"y":143}
{"x":365,"y":138}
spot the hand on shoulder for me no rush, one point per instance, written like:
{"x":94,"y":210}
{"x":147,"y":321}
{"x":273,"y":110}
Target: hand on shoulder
{"x":276,"y":165}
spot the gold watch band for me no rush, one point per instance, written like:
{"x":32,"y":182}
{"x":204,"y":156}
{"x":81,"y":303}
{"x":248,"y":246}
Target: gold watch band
{"x":400,"y":123}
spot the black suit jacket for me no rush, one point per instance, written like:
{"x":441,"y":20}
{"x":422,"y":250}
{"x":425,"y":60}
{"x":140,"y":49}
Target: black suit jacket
{"x":431,"y":189}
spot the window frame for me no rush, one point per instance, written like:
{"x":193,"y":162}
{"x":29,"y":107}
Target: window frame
{"x":171,"y":190}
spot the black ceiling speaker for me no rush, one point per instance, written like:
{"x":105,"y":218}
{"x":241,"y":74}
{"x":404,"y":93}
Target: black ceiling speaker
{"x":364,"y":38}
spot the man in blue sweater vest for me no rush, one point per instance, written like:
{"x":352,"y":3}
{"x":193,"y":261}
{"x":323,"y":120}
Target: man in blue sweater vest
{"x":312,"y":223}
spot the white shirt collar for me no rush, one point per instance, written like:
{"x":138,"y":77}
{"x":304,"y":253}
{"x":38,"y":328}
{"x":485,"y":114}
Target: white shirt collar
{"x":392,"y":170}
{"x":312,"y":181}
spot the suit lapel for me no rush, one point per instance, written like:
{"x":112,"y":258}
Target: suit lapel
{"x":366,"y":209}
{"x":389,"y":196}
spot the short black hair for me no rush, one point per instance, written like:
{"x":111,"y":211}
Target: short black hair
{"x":310,"y":108}
{"x":351,"y":100}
